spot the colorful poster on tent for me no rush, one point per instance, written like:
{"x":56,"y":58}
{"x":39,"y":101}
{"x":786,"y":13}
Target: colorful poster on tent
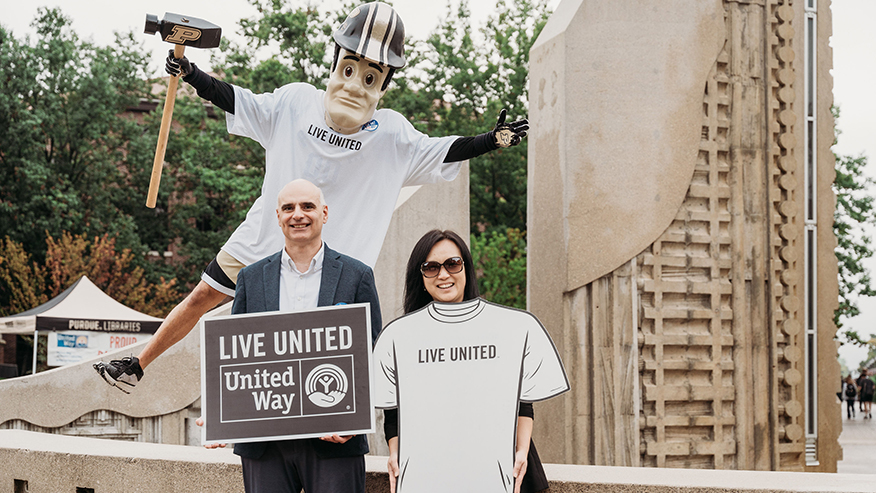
{"x":457,"y":373}
{"x":74,"y":346}
{"x":276,"y":375}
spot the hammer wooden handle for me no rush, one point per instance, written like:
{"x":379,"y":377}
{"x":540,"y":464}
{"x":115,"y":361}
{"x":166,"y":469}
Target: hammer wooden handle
{"x":163,"y":133}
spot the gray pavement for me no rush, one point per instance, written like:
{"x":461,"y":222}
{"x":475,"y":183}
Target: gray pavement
{"x":858,"y":441}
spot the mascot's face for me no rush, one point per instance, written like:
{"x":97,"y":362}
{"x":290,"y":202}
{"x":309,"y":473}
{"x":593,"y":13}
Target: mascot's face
{"x":353,"y":91}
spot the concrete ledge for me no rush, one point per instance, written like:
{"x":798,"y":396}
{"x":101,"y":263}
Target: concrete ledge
{"x":569,"y":478}
{"x":52,"y":463}
{"x":55,"y":463}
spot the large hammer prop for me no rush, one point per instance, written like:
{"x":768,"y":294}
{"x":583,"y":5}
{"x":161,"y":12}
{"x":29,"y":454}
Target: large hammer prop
{"x":182,"y":31}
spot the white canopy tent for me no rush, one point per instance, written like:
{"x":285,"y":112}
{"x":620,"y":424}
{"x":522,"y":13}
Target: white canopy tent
{"x":82,"y":308}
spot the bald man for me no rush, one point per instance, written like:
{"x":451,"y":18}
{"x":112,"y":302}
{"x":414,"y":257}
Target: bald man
{"x":305,"y":274}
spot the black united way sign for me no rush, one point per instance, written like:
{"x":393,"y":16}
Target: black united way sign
{"x":275,"y":375}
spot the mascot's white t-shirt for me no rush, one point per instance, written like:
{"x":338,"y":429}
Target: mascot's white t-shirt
{"x":359,"y":174}
{"x":456,"y":372}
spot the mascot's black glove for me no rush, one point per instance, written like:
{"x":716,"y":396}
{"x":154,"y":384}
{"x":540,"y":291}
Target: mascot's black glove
{"x":509,"y":134}
{"x":120,"y":373}
{"x":177,"y":66}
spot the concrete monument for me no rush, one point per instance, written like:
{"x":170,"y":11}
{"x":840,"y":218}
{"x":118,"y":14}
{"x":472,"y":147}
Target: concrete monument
{"x":680,"y":170}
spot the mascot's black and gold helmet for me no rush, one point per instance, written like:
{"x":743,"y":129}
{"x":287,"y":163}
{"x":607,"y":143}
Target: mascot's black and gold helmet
{"x":374,"y":31}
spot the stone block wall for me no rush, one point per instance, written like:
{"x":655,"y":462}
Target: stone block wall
{"x":698,"y":349}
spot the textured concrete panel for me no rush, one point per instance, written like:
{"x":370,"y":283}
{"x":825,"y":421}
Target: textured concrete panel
{"x":616,"y":101}
{"x":57,"y":397}
{"x":52,"y":463}
{"x":616,"y":105}
{"x":829,"y":419}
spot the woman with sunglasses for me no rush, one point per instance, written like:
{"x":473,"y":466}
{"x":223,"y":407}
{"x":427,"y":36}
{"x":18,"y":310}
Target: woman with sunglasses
{"x":441,"y":269}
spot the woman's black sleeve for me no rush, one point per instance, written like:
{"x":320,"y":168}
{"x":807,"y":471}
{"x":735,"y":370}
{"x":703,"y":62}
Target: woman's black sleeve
{"x":526,"y":410}
{"x":216,"y":91}
{"x":390,"y":423}
{"x":468,"y":147}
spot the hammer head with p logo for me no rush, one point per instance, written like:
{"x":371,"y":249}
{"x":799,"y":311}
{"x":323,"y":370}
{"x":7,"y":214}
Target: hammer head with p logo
{"x":184,"y":30}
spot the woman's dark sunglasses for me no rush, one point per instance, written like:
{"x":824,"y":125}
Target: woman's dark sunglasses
{"x":431,"y":269}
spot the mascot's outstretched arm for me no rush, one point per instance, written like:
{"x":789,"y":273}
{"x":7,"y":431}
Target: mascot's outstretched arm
{"x":220,"y":93}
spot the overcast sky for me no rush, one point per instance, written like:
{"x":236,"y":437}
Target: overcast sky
{"x":853,"y":43}
{"x":99,"y":18}
{"x":854,"y":49}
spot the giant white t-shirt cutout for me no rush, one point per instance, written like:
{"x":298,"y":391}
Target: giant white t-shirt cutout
{"x":457,"y":372}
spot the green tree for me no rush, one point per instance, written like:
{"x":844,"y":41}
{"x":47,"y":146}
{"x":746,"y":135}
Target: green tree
{"x":298,"y":35}
{"x":471,"y":84}
{"x":500,"y":261}
{"x":60,"y":104}
{"x":213,"y":179}
{"x":25,"y":283}
{"x":854,"y":210}
{"x":75,"y":158}
{"x":498,"y":181}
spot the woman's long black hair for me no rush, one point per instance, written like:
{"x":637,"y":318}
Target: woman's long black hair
{"x":416,"y":296}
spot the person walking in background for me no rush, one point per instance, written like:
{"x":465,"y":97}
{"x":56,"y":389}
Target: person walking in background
{"x":850,"y":391}
{"x":866,"y":386}
{"x":858,"y":382}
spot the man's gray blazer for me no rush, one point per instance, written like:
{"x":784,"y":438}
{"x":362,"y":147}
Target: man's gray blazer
{"x":344,"y":280}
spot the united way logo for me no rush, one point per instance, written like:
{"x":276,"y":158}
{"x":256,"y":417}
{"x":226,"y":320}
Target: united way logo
{"x":326,"y":385}
{"x":370,"y":126}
